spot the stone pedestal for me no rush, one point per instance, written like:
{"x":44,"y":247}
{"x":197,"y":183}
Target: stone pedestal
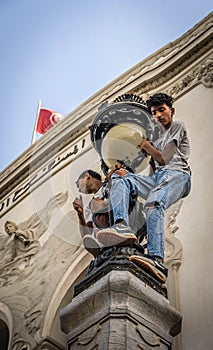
{"x":120,"y":312}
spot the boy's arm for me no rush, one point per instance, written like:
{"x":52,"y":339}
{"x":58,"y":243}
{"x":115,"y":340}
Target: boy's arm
{"x":22,"y":234}
{"x":169,"y":151}
{"x":161,"y":157}
{"x":85,"y":227}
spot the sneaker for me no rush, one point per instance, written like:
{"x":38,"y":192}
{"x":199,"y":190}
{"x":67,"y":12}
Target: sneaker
{"x":117,"y":235}
{"x":92,"y":245}
{"x":153,"y":265}
{"x":158,"y":263}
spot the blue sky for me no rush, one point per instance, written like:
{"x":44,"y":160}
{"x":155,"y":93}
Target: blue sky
{"x":63,"y":51}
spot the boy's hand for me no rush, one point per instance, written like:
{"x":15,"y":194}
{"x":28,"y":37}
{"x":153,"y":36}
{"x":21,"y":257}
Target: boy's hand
{"x":146,"y":146}
{"x":78,"y":205}
{"x":121,"y":171}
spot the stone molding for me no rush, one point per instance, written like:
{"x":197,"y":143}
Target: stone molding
{"x":125,"y":311}
{"x":46,"y":170}
{"x":201,"y":74}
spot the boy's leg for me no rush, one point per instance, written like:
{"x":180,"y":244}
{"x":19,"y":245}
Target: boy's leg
{"x":155,"y":230}
{"x":120,"y":233}
{"x":171,"y":186}
{"x":121,"y":189}
{"x":119,"y":197}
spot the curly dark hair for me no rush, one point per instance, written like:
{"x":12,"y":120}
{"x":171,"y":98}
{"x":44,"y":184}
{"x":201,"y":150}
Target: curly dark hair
{"x":159,"y":99}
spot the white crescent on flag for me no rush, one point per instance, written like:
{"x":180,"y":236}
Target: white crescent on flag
{"x":47,"y":119}
{"x":55,"y":118}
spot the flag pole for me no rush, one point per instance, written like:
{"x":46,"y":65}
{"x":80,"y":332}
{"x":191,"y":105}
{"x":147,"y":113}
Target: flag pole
{"x":36,"y":122}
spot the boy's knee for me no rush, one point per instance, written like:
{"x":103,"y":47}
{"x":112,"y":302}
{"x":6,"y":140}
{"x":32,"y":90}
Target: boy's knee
{"x":151,"y":205}
{"x":154,"y":207}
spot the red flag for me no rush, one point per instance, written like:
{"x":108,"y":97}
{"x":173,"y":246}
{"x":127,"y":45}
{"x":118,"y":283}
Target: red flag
{"x":47,"y":119}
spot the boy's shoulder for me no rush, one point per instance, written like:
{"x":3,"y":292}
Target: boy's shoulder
{"x":178,"y":124}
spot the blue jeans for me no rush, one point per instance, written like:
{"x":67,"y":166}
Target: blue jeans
{"x":161,"y":190}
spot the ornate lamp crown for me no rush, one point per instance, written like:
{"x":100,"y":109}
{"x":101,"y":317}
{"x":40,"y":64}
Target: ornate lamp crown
{"x":118,"y":130}
{"x":130,"y":98}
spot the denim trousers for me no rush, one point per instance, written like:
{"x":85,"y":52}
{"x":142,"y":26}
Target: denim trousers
{"x":164,"y":188}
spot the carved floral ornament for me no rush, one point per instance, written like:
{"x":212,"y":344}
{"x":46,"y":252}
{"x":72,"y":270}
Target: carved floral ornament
{"x":206,"y":72}
{"x":202,"y":74}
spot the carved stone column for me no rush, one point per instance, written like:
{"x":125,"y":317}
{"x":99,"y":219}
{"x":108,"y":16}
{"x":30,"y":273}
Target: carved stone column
{"x":120,"y":312}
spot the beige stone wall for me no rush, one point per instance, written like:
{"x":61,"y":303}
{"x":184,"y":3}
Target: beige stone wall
{"x":38,"y":188}
{"x":196,"y":221}
{"x":36,"y":281}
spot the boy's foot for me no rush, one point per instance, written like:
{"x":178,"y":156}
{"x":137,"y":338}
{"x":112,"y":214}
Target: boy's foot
{"x":92,"y":245}
{"x":158,"y":263}
{"x":117,"y":235}
{"x":153,"y":265}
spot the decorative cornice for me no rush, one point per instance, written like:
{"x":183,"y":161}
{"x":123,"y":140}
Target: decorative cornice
{"x":46,"y":170}
{"x":32,"y":159}
{"x":201,"y":74}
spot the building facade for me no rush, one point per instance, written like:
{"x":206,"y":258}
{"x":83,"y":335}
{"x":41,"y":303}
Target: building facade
{"x":38,"y":188}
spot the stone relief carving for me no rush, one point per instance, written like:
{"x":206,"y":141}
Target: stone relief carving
{"x":20,"y":344}
{"x":173,"y":246}
{"x":33,"y":290}
{"x":148,"y":337}
{"x":89,"y":335}
{"x":21,"y":243}
{"x":203,"y":74}
{"x":173,"y":254}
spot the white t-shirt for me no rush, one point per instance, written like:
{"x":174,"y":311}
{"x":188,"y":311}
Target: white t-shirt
{"x":100,"y":194}
{"x":177,"y":132}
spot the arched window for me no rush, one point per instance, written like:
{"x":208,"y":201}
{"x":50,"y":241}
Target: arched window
{"x":4,"y":335}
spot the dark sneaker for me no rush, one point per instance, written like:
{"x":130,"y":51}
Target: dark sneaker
{"x":153,"y":265}
{"x":92,"y":245}
{"x":159,"y":264}
{"x":117,"y":235}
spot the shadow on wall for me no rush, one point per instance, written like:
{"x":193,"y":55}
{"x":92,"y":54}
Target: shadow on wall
{"x":4,"y":335}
